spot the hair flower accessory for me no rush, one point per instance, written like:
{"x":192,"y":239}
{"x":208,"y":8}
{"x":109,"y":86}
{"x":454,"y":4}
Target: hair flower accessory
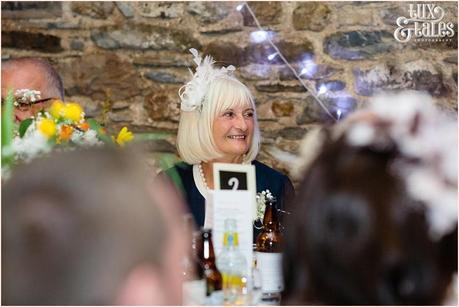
{"x":192,"y":94}
{"x":426,"y":140}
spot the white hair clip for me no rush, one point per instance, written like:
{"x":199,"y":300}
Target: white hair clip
{"x":192,"y":94}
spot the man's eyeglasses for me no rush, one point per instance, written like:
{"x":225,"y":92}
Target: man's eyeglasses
{"x":26,"y":104}
{"x":38,"y":101}
{"x":24,"y":97}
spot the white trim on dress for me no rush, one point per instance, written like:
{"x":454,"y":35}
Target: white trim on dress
{"x":205,"y":193}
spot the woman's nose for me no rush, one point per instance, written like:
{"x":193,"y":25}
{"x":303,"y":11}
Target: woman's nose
{"x":240,"y":123}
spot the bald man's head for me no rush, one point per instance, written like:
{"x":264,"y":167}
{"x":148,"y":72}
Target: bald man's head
{"x":31,"y":73}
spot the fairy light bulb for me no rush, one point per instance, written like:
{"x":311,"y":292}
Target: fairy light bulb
{"x":272,"y":56}
{"x":338,"y":113}
{"x":322,"y":89}
{"x":239,"y":7}
{"x":259,"y":36}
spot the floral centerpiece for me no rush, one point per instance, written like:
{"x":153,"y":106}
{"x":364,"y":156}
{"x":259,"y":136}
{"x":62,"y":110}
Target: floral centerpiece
{"x":62,"y":126}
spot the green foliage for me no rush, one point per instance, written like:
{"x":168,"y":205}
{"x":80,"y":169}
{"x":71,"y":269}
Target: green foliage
{"x":166,"y":161}
{"x":93,"y":124}
{"x":7,"y":129}
{"x":151,"y":136}
{"x":24,"y":125}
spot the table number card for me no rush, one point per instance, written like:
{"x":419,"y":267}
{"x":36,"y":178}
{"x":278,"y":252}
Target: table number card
{"x":234,"y":197}
{"x":236,"y":177}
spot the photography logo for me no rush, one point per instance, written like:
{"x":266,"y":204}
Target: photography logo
{"x":425,"y":24}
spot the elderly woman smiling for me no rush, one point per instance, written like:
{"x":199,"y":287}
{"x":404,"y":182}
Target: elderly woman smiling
{"x":218,"y":123}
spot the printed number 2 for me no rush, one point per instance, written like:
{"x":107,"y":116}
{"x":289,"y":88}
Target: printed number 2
{"x":234,"y":183}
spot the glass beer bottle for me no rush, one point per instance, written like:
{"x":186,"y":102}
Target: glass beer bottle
{"x":269,"y":255}
{"x":214,"y":280}
{"x":233,"y":266}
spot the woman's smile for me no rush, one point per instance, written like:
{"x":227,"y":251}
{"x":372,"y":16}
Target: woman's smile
{"x":237,"y":137}
{"x":233,"y":131}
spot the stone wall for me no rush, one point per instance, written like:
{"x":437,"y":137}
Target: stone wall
{"x":125,"y":61}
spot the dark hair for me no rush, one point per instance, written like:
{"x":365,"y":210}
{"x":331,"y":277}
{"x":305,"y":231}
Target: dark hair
{"x":355,"y":236}
{"x":52,"y":79}
{"x":73,"y":225}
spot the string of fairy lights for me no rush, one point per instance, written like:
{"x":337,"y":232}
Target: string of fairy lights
{"x":308,"y":64}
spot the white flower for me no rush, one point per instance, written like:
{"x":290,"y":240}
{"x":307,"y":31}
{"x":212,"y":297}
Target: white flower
{"x":77,"y":136}
{"x":88,"y":138}
{"x":262,"y":197}
{"x":26,"y":96}
{"x":31,"y":145}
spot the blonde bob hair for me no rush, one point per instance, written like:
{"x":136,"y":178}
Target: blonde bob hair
{"x":195,"y":142}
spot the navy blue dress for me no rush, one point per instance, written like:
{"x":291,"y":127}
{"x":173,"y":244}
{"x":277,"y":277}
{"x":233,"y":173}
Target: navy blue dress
{"x":266,"y":178}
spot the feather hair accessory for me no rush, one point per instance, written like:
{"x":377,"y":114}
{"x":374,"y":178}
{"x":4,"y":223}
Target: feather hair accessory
{"x":193,"y":94}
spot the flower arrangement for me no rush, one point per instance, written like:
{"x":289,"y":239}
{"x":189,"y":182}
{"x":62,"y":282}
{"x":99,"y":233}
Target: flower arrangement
{"x":262,"y":197}
{"x":63,"y":126}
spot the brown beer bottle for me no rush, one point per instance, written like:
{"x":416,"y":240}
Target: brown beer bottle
{"x":269,"y":254}
{"x":214,"y":280}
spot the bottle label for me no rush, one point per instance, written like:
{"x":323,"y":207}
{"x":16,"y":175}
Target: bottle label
{"x":270,"y":267}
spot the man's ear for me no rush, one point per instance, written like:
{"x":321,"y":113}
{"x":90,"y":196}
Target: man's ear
{"x":142,"y":286}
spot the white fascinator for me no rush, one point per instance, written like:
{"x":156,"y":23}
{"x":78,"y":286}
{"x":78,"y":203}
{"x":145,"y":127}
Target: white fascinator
{"x":192,"y":94}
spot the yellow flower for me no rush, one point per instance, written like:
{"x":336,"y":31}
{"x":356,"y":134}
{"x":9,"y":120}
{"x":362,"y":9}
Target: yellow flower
{"x":57,"y":108}
{"x":72,"y":111}
{"x":47,"y":127}
{"x":124,"y":136}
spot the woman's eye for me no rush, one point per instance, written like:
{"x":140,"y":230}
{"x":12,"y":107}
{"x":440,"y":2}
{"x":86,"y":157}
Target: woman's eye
{"x":249,"y":114}
{"x":228,"y":114}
